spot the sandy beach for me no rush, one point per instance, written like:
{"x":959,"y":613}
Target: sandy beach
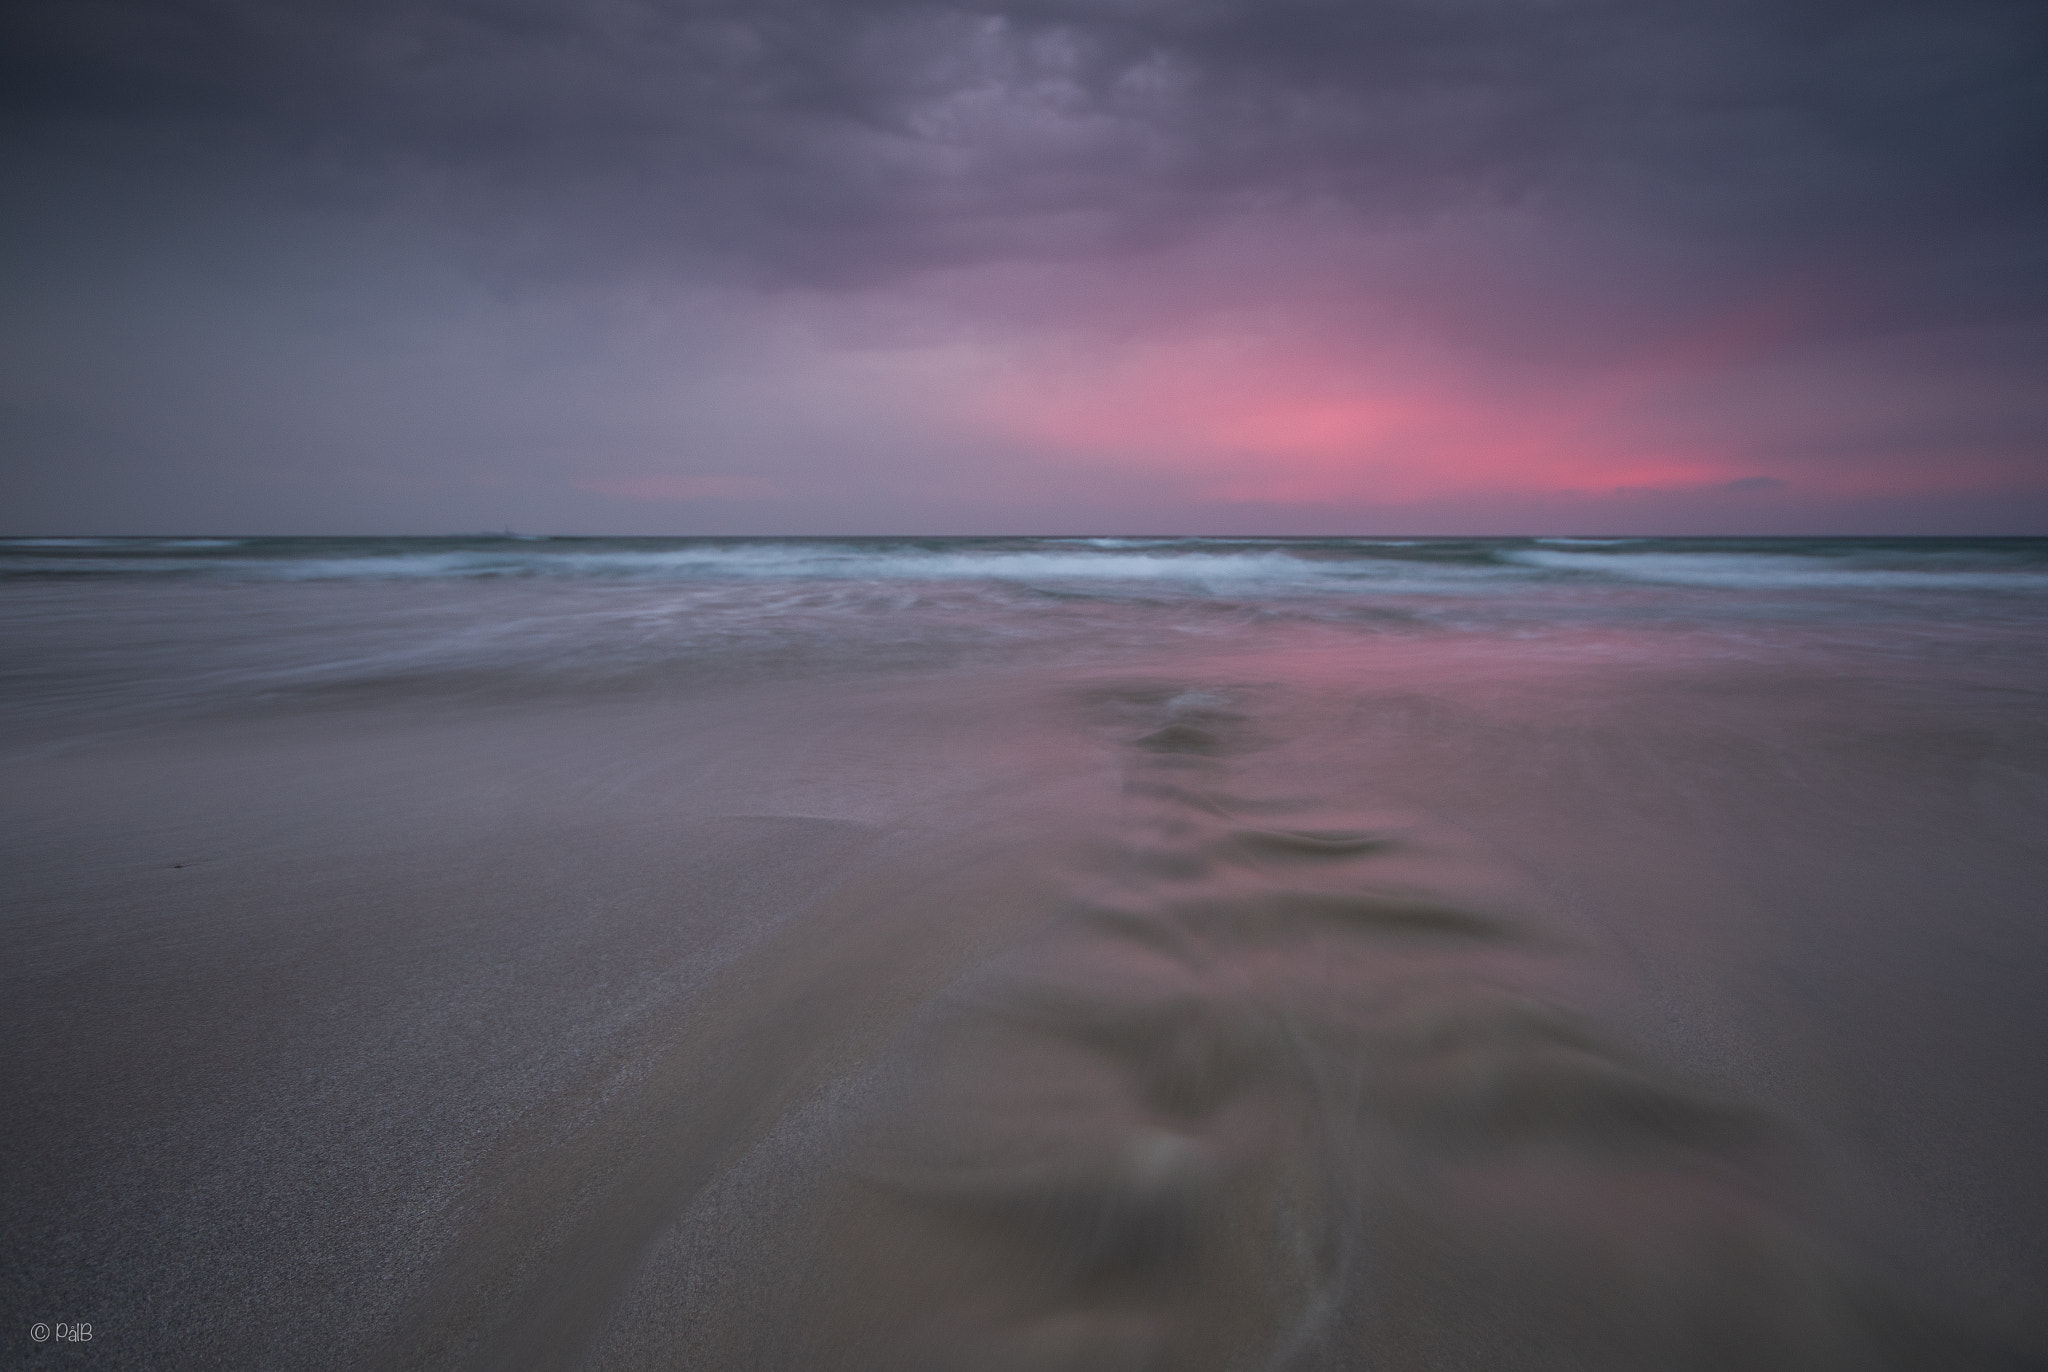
{"x":1396,"y":1004}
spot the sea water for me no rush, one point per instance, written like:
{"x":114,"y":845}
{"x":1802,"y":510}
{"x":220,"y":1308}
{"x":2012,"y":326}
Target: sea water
{"x":1034,"y":952}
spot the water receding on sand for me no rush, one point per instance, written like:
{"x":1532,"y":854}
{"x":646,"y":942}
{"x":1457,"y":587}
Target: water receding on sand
{"x":1218,"y":1068}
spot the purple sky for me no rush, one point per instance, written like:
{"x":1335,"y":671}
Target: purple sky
{"x":1256,"y":266}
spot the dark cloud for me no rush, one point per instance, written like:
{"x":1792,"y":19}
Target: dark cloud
{"x":861,"y":137}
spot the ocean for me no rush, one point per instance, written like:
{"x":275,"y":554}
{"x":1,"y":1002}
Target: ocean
{"x":1063,"y":952}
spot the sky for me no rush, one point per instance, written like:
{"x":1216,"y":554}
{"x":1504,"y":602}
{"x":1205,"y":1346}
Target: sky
{"x":1024,"y":266}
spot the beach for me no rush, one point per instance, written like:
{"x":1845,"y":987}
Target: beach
{"x":1031,"y":953}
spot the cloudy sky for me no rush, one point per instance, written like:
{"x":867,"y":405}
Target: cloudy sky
{"x":1256,"y":266}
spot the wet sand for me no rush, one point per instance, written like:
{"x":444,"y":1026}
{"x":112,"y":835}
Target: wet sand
{"x":1334,"y":1010}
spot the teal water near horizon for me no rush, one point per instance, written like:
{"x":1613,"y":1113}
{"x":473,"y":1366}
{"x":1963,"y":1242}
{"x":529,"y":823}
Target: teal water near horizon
{"x":110,"y":626}
{"x":1296,"y":562}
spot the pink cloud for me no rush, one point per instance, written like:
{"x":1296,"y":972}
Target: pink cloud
{"x":1270,"y":420}
{"x":1331,"y":403}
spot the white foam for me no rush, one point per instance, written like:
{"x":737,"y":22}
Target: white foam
{"x":1766,"y":571}
{"x":1266,"y":570}
{"x":385,"y":566}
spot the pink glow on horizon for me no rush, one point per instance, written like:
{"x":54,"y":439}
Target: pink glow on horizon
{"x":1260,"y":424}
{"x":1291,"y":413}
